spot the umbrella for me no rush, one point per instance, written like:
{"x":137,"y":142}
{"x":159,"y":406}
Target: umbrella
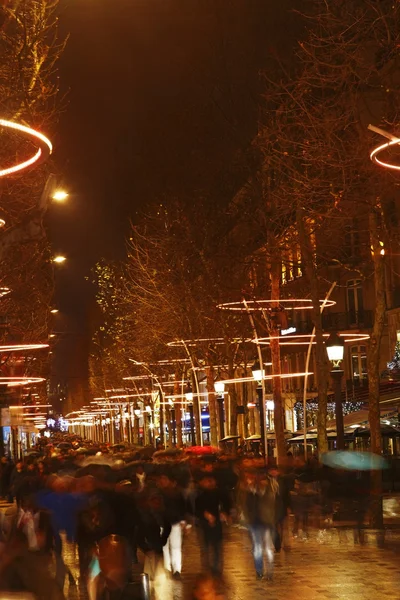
{"x":64,"y":446}
{"x":201,"y":450}
{"x":170,"y":453}
{"x":118,"y":447}
{"x":354,"y":461}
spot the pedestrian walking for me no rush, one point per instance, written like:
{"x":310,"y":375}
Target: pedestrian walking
{"x":6,"y":468}
{"x":212,"y":507}
{"x":17,"y":480}
{"x":175,"y":508}
{"x":257,"y":505}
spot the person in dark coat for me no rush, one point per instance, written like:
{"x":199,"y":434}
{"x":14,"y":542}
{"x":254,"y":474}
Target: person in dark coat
{"x":212,"y":506}
{"x":153,"y":530}
{"x":17,"y":480}
{"x":176,"y":510}
{"x":257,"y":501}
{"x":6,"y":468}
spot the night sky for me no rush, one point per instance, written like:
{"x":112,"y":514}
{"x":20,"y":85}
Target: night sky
{"x":163,"y":102}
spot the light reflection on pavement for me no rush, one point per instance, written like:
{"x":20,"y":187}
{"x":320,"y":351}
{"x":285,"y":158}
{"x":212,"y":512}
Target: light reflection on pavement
{"x":327,"y":566}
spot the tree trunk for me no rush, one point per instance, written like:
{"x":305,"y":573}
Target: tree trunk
{"x":212,"y":406}
{"x":310,"y":270}
{"x":232,"y":398}
{"x":178,"y":409}
{"x":196,"y":411}
{"x":279,"y":415}
{"x":374,"y":363}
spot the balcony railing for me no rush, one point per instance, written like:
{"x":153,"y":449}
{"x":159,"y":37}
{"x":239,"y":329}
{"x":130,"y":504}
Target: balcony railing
{"x":348,"y":320}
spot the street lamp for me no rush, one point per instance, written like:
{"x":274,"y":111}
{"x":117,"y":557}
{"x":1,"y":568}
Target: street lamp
{"x":60,"y":195}
{"x":219,"y":387}
{"x":189,"y":400}
{"x":54,"y":311}
{"x":258,"y":376}
{"x":59,"y":259}
{"x":335,"y":350}
{"x":258,"y":373}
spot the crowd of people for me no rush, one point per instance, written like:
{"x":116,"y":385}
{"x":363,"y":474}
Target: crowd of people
{"x":140,"y":512}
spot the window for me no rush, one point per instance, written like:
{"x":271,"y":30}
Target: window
{"x":359,"y":363}
{"x":351,"y":240}
{"x":291,"y":262}
{"x":355,"y":304}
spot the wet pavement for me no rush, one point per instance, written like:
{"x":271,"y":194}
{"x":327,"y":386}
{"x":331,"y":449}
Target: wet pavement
{"x":326,"y":566}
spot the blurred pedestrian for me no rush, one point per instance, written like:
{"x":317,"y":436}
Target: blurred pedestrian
{"x":212,"y":507}
{"x":6,"y":468}
{"x":304,"y":497}
{"x":176,"y":510}
{"x":153,"y":531}
{"x":17,"y":480}
{"x":257,"y":503}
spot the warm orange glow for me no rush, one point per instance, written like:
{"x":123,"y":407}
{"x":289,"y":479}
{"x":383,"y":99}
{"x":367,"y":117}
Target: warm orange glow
{"x":304,"y":339}
{"x":22,"y":347}
{"x":374,"y":154}
{"x":259,"y":305}
{"x":266,"y":378}
{"x":195,"y":341}
{"x":23,"y":407}
{"x":16,"y":381}
{"x":59,"y":259}
{"x":60,"y":196}
{"x":45,"y":147}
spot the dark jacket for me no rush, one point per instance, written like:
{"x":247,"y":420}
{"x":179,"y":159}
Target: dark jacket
{"x":17,"y":481}
{"x":175,"y":505}
{"x":213,"y":501}
{"x":259,"y":505}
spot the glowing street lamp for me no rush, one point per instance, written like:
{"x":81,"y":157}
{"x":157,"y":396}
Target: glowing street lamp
{"x":60,"y":196}
{"x":59,"y":259}
{"x":54,"y":311}
{"x":335,"y":350}
{"x":219,"y":387}
{"x":189,"y":400}
{"x":189,"y":394}
{"x":258,"y":373}
{"x":258,"y":376}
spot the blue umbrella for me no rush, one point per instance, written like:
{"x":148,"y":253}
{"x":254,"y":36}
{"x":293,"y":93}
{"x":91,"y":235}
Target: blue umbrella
{"x":354,"y":461}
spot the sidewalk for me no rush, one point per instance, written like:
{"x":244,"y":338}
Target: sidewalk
{"x":327,"y":566}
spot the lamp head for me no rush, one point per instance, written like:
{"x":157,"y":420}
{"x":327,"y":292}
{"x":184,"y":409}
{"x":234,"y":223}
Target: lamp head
{"x":335,"y":349}
{"x":219,"y":387}
{"x":258,"y":372}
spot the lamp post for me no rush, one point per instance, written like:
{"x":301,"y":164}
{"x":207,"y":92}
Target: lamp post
{"x":335,"y":349}
{"x":219,"y":388}
{"x":258,"y":375}
{"x":189,"y":400}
